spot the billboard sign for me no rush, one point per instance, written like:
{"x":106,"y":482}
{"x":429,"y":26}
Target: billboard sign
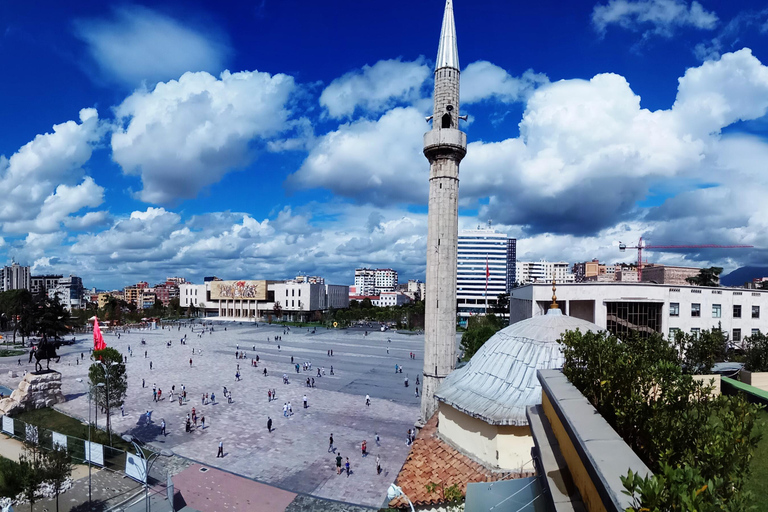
{"x":95,"y":453}
{"x":8,"y":425}
{"x":248,"y":290}
{"x":59,"y":440}
{"x":136,"y":467}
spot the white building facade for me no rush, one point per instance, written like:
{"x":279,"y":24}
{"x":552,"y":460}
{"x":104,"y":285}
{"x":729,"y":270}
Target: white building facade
{"x":644,"y":307}
{"x":543,"y":271}
{"x":15,"y":277}
{"x":481,"y":250}
{"x":365,"y":281}
{"x":70,"y":292}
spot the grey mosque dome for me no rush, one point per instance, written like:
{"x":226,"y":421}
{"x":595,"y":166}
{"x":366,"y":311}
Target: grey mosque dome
{"x":500,"y":381}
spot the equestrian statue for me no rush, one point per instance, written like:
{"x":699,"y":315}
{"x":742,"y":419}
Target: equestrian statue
{"x":46,"y":349}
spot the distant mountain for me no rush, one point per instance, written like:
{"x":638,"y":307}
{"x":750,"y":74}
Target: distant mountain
{"x":743,"y":275}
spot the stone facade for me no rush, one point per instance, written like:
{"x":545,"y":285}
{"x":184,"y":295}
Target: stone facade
{"x":444,"y":147}
{"x":34,"y":392}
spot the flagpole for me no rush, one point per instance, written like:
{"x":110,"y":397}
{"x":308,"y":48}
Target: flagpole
{"x":487,"y":273}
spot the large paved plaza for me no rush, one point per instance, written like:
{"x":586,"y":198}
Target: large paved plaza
{"x":295,"y":455}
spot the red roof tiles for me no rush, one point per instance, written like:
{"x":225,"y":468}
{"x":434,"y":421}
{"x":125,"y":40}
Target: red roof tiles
{"x":434,"y":461}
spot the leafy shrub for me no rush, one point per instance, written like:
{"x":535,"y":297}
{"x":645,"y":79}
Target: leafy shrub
{"x":756,"y":353}
{"x":479,"y":330}
{"x":682,"y":432}
{"x":699,"y":352}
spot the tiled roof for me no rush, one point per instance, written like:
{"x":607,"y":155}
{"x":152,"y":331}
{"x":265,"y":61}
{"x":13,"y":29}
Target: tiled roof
{"x":434,"y":461}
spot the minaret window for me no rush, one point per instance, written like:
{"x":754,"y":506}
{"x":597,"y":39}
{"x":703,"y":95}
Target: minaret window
{"x":446,"y":120}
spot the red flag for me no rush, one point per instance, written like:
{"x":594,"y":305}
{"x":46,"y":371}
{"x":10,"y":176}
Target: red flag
{"x":487,"y":274}
{"x":98,"y":339}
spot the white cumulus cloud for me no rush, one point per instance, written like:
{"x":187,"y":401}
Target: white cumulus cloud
{"x":483,"y":80}
{"x":185,"y":135}
{"x":653,"y":17}
{"x":375,"y":88}
{"x":141,"y":45}
{"x":43,"y":181}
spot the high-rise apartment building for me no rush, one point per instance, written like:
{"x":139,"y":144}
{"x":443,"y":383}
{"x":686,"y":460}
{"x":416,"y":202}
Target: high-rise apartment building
{"x":481,"y":253}
{"x":543,"y":271}
{"x":41,"y":284}
{"x":369,"y":281}
{"x":385,"y":280}
{"x":70,"y":292}
{"x":15,"y":277}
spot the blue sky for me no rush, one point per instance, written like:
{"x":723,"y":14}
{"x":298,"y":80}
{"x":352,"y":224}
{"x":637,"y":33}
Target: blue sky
{"x":264,"y":139}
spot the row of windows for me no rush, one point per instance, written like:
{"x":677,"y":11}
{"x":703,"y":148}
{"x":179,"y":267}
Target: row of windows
{"x":696,"y":330}
{"x":293,"y":292}
{"x":717,"y":310}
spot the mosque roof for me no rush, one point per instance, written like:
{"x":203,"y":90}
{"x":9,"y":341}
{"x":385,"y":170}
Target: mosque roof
{"x":448,"y":52}
{"x":499,"y":382}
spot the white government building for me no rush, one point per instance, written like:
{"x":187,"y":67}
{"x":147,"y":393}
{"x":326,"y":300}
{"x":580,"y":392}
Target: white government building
{"x":257,"y":300}
{"x":621,"y":307}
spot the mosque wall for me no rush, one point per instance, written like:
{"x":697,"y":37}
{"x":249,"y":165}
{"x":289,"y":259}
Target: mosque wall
{"x":495,"y":446}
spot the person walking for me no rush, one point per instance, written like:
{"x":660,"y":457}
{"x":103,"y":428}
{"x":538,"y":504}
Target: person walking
{"x":162,"y":427}
{"x":378,"y":465}
{"x":269,"y":424}
{"x":285,"y":409}
{"x":347,"y":467}
{"x":364,"y":448}
{"x":190,"y":362}
{"x":368,"y":400}
{"x":330,"y":445}
{"x":221,"y":449}
{"x":378,"y":439}
{"x":202,"y":421}
{"x":269,"y":395}
{"x":338,"y":464}
{"x":305,"y":401}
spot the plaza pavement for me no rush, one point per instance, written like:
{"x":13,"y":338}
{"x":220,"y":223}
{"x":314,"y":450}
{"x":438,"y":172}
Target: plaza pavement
{"x":295,"y":455}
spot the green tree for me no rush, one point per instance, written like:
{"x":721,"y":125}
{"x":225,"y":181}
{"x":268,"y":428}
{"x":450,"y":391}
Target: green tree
{"x":707,"y":277}
{"x":699,"y":352}
{"x":18,"y":307}
{"x":51,"y":317}
{"x":174,"y":308}
{"x":31,"y":472}
{"x":479,"y":330}
{"x":57,"y":466}
{"x":756,"y":353}
{"x":112,"y":394}
{"x":501,"y":307}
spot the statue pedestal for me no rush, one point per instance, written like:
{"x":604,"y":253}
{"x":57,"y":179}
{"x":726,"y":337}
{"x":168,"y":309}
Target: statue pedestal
{"x":35,"y":391}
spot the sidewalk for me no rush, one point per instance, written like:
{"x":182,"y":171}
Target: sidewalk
{"x":107,"y":488}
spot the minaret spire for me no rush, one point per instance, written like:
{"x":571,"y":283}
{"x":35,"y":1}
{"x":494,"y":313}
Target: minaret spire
{"x":448,"y":51}
{"x":444,"y":146}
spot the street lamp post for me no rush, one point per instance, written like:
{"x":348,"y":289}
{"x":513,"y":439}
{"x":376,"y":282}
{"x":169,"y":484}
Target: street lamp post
{"x":395,"y":491}
{"x":148,"y":461}
{"x":100,"y":384}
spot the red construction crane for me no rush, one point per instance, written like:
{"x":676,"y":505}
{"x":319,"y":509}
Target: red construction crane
{"x":641,"y":245}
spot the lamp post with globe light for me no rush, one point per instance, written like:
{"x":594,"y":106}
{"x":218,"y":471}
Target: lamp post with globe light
{"x":395,"y":491}
{"x":148,"y":461}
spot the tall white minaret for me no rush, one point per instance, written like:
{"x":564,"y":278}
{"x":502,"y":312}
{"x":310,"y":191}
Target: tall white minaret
{"x":444,"y":146}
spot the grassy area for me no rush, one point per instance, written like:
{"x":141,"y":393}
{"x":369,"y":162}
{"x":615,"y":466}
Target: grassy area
{"x":10,"y":483}
{"x":758,"y":478}
{"x":58,"y":422}
{"x":6,"y":352}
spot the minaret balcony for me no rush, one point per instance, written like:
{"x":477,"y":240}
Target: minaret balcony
{"x":444,"y":142}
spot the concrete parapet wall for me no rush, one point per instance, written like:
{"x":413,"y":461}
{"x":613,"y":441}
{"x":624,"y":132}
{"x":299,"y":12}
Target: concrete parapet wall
{"x":595,"y":454}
